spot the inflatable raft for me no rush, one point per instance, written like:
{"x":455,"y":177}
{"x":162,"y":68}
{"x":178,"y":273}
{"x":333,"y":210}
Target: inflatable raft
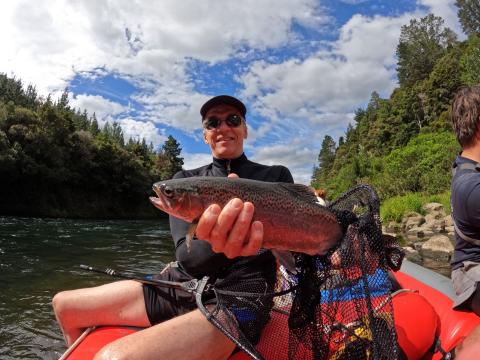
{"x":419,"y":331}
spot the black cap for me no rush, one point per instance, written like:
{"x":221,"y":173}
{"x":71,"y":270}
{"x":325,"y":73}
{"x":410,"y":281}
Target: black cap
{"x":223,"y":100}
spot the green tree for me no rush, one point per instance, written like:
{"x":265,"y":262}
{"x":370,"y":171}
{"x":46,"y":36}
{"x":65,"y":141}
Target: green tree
{"x":421,"y":44}
{"x":168,"y":160}
{"x":326,"y":157}
{"x":469,"y":15}
{"x":470,"y":61}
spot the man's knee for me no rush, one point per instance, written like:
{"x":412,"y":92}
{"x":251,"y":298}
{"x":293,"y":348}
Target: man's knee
{"x":60,"y":303}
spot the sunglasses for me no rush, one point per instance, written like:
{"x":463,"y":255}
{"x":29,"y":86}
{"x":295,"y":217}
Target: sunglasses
{"x":213,"y":122}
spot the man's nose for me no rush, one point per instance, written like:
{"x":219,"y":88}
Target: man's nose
{"x":223,"y":125}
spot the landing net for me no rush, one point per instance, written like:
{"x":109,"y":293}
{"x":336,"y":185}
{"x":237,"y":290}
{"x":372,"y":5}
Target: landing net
{"x":336,"y":306}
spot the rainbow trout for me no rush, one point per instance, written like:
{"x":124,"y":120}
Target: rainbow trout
{"x":292,"y":219}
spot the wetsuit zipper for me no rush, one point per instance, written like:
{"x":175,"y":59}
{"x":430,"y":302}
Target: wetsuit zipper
{"x":229,"y":169}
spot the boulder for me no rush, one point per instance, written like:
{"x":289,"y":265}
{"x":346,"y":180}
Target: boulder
{"x":437,"y":226}
{"x":431,"y":207}
{"x":435,"y":215}
{"x":419,"y":232}
{"x":413,"y":255}
{"x":413,"y":220}
{"x":448,"y":221}
{"x":438,"y":247}
{"x":392,"y":228}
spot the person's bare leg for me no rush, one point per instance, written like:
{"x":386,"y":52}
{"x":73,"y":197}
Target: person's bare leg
{"x":189,"y":336}
{"x":118,"y":303}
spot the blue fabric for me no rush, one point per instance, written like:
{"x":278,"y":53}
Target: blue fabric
{"x":378,"y":283}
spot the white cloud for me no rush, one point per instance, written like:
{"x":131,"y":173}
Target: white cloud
{"x":139,"y":130}
{"x":47,"y":42}
{"x":195,"y":160}
{"x":104,"y":109}
{"x":300,"y":160}
{"x":339,"y":80}
{"x":109,"y":111}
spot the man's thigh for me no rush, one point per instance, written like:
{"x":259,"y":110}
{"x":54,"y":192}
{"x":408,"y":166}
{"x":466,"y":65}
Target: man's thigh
{"x":189,"y":336}
{"x":117,"y":303}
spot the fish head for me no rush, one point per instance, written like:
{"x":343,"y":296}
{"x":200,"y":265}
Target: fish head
{"x":180,"y":199}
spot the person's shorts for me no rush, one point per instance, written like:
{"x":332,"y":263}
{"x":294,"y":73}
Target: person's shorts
{"x":465,"y":280}
{"x":246,"y":275}
{"x":164,"y":303}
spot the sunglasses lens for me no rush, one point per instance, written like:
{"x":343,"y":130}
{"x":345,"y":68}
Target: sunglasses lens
{"x":211,"y":123}
{"x":233,"y":120}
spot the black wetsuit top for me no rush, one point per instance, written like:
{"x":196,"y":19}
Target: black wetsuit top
{"x":201,"y":260}
{"x":465,"y":200}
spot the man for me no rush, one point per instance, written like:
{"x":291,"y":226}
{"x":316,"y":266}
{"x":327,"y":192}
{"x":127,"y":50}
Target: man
{"x":465,"y":199}
{"x":175,"y":328}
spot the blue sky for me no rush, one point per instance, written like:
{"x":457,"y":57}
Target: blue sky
{"x":302,"y":67}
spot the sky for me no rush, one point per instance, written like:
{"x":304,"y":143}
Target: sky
{"x":302,"y":67}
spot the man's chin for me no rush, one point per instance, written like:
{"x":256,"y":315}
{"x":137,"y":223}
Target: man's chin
{"x":226,"y":153}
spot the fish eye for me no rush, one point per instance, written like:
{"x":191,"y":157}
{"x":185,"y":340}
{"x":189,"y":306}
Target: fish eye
{"x":166,"y":190}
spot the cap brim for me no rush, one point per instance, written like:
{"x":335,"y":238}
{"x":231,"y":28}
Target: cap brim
{"x":223,"y":100}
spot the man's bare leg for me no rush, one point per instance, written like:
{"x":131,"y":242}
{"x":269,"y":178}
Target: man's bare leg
{"x":189,"y":336}
{"x":118,"y":303}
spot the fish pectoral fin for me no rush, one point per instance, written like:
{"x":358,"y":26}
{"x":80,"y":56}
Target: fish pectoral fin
{"x":286,"y":259}
{"x":190,"y":235}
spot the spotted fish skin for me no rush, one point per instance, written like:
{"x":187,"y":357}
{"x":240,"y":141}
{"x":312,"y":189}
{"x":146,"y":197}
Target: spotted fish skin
{"x":292,"y":218}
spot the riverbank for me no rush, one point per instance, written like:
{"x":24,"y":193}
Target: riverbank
{"x":428,"y":239}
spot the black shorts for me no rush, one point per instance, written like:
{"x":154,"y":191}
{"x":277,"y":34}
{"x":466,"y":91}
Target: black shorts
{"x":246,"y":275}
{"x":163,"y":303}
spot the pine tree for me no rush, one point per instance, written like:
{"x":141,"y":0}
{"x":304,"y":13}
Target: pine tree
{"x":421,"y":44}
{"x":469,"y":15}
{"x":326,"y":157}
{"x":169,"y":161}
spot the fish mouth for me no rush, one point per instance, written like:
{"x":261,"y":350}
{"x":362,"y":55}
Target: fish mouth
{"x":159,"y":201}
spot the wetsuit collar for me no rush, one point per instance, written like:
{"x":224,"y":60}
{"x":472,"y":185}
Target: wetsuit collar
{"x":227,"y":165}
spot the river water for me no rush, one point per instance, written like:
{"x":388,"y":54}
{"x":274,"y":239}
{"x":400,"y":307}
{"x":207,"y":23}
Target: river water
{"x":39,"y":257}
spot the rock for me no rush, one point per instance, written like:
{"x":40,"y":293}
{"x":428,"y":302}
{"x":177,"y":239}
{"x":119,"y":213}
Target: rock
{"x":437,"y":226}
{"x":438,"y":247}
{"x":413,"y":220}
{"x":431,"y":207}
{"x":418,"y":245}
{"x":419,"y":232}
{"x":393,"y":228}
{"x":435,"y":215}
{"x":448,"y":221}
{"x":413,"y":255}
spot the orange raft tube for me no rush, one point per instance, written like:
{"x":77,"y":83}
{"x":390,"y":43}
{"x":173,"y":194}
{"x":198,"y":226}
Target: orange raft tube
{"x":422,"y":316}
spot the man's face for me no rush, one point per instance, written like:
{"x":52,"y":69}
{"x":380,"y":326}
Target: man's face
{"x":226,"y":142}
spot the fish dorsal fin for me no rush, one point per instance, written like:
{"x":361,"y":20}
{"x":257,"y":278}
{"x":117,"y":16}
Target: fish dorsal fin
{"x":302,"y":191}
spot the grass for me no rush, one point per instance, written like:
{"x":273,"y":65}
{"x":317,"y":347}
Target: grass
{"x":395,"y":208}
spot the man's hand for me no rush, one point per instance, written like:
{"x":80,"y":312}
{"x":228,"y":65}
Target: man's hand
{"x":230,"y":230}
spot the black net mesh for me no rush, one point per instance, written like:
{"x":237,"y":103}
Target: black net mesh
{"x":336,"y":306}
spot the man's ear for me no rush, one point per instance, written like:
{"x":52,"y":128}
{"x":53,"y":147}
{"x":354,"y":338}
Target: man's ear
{"x":205,"y":136}
{"x":245,"y":135}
